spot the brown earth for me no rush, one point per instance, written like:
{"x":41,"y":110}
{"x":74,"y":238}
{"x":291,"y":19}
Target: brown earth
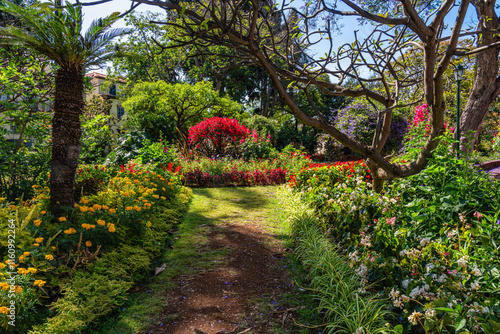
{"x":239,"y":296}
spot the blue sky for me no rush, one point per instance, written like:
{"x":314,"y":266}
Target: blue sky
{"x":349,"y":24}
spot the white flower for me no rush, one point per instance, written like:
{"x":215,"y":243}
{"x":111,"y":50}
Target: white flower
{"x":474,"y":286}
{"x":414,"y":317}
{"x":429,"y":267}
{"x":362,"y":270}
{"x":394,"y":294}
{"x":476,"y":271}
{"x":429,"y":313}
{"x":354,"y":256}
{"x":405,"y":283}
{"x":398,"y":303}
{"x":424,"y":241}
{"x":462,"y":262}
{"x":365,"y":241}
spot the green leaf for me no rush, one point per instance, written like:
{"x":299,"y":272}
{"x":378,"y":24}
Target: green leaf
{"x":399,"y":328}
{"x":459,"y":324}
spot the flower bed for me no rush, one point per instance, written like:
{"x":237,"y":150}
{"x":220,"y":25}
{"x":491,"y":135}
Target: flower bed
{"x":205,"y":172}
{"x":428,"y":244}
{"x":88,"y":258}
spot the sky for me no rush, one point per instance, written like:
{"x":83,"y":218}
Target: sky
{"x":349,"y":24}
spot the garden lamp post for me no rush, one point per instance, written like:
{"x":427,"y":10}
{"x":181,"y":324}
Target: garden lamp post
{"x":458,"y":72}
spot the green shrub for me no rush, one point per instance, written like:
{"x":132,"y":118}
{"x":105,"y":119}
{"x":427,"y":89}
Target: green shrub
{"x":343,"y":300}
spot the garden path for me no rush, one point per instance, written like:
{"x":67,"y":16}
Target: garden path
{"x":234,"y":231}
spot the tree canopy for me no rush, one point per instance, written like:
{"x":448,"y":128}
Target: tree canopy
{"x":160,"y":108}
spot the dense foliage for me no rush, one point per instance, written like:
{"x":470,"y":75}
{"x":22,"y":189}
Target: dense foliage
{"x":89,"y":257}
{"x":217,"y":136}
{"x":427,"y":244}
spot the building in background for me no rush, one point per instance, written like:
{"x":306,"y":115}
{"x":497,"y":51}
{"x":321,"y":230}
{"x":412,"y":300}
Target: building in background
{"x":102,"y":86}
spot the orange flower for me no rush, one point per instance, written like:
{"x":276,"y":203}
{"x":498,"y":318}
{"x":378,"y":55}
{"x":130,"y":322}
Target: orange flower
{"x":105,"y":207}
{"x":88,"y":243}
{"x":39,"y":240}
{"x":101,"y":222}
{"x":49,"y":257}
{"x":111,"y":228}
{"x":37,"y":222}
{"x":26,"y":253}
{"x":43,"y":212}
{"x":18,"y":289}
{"x":39,"y":283}
{"x":112,"y":211}
{"x":62,"y":219}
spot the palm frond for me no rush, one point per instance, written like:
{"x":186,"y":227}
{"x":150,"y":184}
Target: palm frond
{"x":57,"y":33}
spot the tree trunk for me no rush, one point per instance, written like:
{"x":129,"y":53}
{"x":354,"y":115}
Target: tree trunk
{"x":66,"y":133}
{"x":486,"y":86}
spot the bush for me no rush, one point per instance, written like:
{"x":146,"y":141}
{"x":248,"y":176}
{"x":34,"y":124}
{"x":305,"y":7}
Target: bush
{"x":255,"y":147}
{"x":427,"y":244}
{"x":88,"y":258}
{"x":343,"y":300}
{"x":217,"y":136}
{"x":359,"y":121}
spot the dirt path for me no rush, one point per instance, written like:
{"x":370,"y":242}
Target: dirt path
{"x":240,"y":294}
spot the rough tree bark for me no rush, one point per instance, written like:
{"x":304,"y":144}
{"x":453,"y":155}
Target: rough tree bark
{"x":66,"y":133}
{"x":486,"y":86}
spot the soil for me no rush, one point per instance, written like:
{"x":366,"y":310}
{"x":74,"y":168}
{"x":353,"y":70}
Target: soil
{"x":239,"y":296}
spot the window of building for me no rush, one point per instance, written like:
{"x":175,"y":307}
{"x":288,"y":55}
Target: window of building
{"x":120,"y":112}
{"x":112,"y":90}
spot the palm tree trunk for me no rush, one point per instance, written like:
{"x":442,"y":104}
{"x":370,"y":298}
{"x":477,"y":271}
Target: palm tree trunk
{"x":66,"y":133}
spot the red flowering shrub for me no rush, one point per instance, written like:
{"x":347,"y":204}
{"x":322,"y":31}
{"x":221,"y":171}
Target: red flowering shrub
{"x":217,"y":136}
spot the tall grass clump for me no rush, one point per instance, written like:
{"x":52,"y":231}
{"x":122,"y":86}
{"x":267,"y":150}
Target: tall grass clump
{"x":343,"y":301}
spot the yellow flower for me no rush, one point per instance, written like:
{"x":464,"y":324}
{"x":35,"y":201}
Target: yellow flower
{"x":4,"y":286}
{"x":163,"y":198}
{"x":105,"y":207}
{"x":70,"y":231}
{"x":97,"y":207}
{"x":91,"y":209}
{"x":163,"y":189}
{"x":129,"y":208}
{"x":22,"y":271}
{"x":132,"y":192}
{"x":101,"y":222}
{"x":111,"y":228}
{"x":112,"y":211}
{"x":4,"y":310}
{"x":84,"y":201}
{"x":39,"y":240}
{"x":32,"y":270}
{"x":148,"y":224}
{"x":21,"y":258}
{"x":49,"y":257}
{"x":2,"y":265}
{"x":54,"y":247}
{"x":43,"y":212}
{"x":156,"y":196}
{"x":39,"y":283}
{"x":13,"y":207}
{"x":62,"y":219}
{"x":84,"y":209}
{"x":125,"y":194}
{"x":34,"y":186}
{"x":136,"y":208}
{"x":18,"y":289}
{"x":88,"y":243}
{"x":37,"y":222}
{"x":26,"y":253}
{"x":36,"y":245}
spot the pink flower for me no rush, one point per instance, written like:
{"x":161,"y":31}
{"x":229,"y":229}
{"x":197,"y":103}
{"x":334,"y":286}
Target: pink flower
{"x":391,"y":221}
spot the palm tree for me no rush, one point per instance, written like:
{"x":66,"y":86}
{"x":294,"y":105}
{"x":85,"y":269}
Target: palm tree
{"x":56,"y":33}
